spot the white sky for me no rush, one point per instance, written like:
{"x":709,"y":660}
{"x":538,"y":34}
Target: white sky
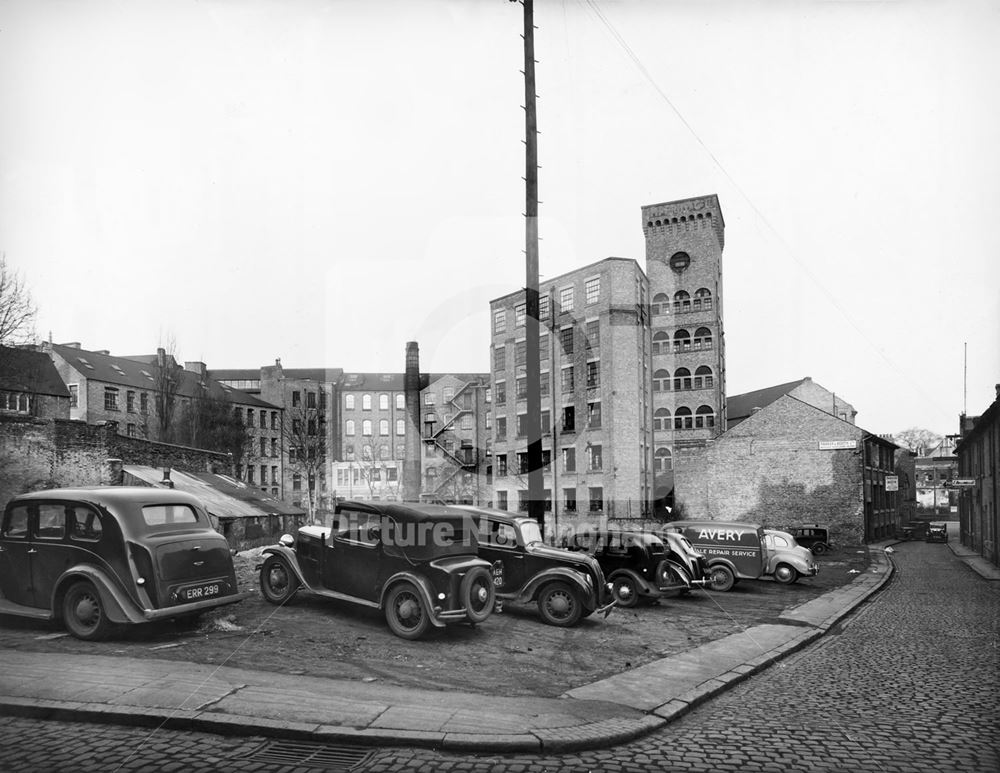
{"x":324,"y":181}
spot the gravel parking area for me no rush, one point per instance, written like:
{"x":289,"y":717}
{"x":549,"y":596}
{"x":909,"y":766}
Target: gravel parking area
{"x":512,"y":653}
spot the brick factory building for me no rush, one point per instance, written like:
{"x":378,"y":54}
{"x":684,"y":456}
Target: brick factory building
{"x":632,"y":363}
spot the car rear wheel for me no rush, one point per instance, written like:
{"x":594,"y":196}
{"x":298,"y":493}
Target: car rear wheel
{"x":785,"y":574}
{"x":558,"y":604}
{"x":818,"y":549}
{"x":625,"y":591}
{"x":277,"y":581}
{"x":478,"y":594}
{"x":405,"y":612}
{"x":84,"y":614}
{"x":722,"y":578}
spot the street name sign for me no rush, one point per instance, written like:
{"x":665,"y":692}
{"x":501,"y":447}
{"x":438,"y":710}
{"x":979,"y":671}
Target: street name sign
{"x":835,"y":445}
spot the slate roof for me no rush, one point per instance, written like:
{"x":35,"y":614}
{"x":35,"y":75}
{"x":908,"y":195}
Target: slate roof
{"x":25,"y":370}
{"x":739,"y":407}
{"x":139,"y":371}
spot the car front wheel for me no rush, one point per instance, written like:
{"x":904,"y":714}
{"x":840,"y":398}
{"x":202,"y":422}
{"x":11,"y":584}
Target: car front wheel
{"x":558,"y":604}
{"x":478,"y":594}
{"x":785,"y":574}
{"x":405,"y":612}
{"x":277,"y":581}
{"x":84,"y":614}
{"x":625,"y":591}
{"x":722,"y":578}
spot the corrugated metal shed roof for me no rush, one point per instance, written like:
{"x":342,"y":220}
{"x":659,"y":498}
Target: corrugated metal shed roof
{"x":223,"y":497}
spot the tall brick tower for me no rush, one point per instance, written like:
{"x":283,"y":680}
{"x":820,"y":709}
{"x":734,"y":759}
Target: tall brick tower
{"x":684,"y":242}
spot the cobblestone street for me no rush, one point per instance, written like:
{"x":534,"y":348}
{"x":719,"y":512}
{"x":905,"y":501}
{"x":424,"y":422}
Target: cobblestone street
{"x":910,"y":683}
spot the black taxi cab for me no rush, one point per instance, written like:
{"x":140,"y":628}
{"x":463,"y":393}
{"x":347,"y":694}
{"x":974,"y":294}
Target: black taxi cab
{"x":96,"y":558}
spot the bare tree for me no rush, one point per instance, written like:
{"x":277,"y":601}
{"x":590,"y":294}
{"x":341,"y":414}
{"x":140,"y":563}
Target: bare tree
{"x":304,"y":436}
{"x":209,"y":422}
{"x":380,"y":473}
{"x":166,"y":380}
{"x":17,"y":310}
{"x":916,"y":439}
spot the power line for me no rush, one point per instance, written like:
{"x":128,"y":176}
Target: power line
{"x":767,"y":223}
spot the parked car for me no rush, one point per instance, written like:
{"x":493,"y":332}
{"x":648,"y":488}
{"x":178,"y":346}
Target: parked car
{"x":686,"y":564}
{"x":95,"y":558}
{"x":813,"y":536}
{"x":937,"y":532}
{"x":738,"y":551}
{"x":566,"y":585}
{"x":786,"y":560}
{"x":634,"y":563}
{"x":417,"y":563}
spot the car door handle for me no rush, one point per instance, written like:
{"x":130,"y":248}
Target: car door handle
{"x":32,"y":550}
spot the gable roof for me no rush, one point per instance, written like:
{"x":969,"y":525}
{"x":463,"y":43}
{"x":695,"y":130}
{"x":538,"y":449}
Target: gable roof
{"x":25,"y":370}
{"x":739,"y":407}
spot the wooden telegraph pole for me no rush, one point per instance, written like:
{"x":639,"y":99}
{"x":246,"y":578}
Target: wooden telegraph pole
{"x":536,"y":504}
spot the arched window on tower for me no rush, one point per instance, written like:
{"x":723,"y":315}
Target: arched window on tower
{"x":704,"y":417}
{"x":703,"y":299}
{"x":682,"y":341}
{"x":702,"y":338}
{"x":703,"y":378}
{"x":683,"y":419}
{"x":661,"y":419}
{"x":682,"y":301}
{"x":661,"y":304}
{"x":661,"y":381}
{"x":663,"y":460}
{"x":661,"y":342}
{"x":682,"y":379}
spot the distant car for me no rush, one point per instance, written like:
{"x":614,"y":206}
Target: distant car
{"x":94,"y":558}
{"x":417,"y":563}
{"x":566,"y":586}
{"x":813,"y":536}
{"x":937,"y":532}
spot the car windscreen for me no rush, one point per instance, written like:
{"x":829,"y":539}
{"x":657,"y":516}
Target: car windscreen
{"x":166,"y":516}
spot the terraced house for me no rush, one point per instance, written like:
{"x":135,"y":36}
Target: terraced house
{"x":154,"y":398}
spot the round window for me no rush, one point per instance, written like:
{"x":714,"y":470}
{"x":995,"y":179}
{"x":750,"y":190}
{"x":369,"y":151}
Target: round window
{"x":680,"y":261}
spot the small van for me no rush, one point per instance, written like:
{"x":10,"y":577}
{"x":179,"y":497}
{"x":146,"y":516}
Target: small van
{"x":744,"y":551}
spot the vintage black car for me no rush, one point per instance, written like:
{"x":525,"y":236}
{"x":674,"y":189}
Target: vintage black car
{"x":937,"y":532}
{"x":687,"y":567}
{"x":635,"y":563}
{"x":566,"y":586}
{"x":94,"y":558}
{"x":415,"y":562}
{"x":813,"y":536}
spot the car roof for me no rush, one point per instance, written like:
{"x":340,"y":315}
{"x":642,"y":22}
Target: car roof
{"x":406,"y":511}
{"x":712,"y":524}
{"x":143,"y":495}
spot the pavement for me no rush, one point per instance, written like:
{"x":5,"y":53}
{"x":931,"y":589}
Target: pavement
{"x":973,"y":560}
{"x":233,"y":701}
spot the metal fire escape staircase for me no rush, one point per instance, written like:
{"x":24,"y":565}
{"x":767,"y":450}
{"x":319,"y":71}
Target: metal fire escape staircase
{"x":459,"y":464}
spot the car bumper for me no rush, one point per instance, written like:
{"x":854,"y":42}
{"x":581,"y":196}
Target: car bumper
{"x":179,"y":610}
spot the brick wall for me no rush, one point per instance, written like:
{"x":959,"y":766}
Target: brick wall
{"x":769,"y":469}
{"x":37,"y":454}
